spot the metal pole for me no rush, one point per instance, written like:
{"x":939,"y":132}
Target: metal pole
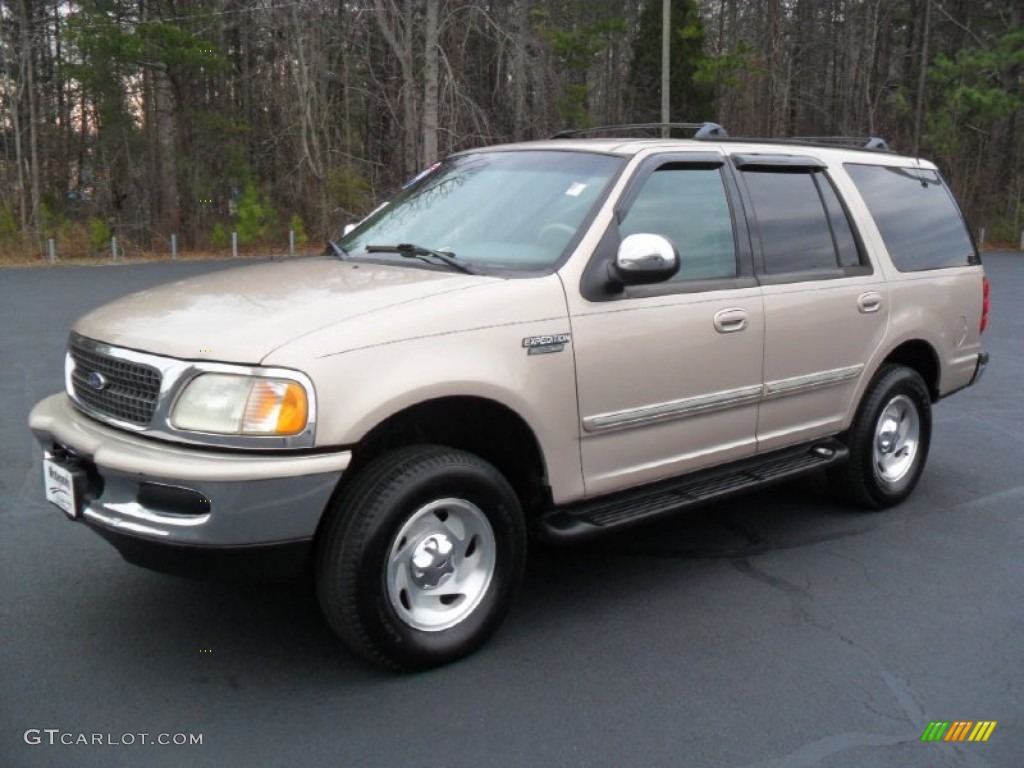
{"x":234,"y":245}
{"x":113,"y":248}
{"x":1022,"y":239}
{"x":51,"y":250}
{"x":666,"y":20}
{"x":291,"y":243}
{"x":174,"y":247}
{"x":981,"y":240}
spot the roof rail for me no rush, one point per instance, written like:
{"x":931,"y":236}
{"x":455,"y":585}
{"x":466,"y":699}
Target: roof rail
{"x":697,"y":130}
{"x":855,"y":142}
{"x":715,"y":132}
{"x":861,"y":143}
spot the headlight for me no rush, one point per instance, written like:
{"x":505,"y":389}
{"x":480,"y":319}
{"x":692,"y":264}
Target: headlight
{"x":232,"y":404}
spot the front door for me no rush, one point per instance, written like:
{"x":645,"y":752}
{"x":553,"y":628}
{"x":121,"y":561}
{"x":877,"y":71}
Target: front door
{"x":669,"y":375}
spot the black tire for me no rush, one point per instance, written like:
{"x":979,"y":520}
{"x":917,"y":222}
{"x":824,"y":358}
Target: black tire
{"x":879,"y":480}
{"x":361,"y":569}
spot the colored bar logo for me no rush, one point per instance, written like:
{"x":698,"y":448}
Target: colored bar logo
{"x":958,"y":730}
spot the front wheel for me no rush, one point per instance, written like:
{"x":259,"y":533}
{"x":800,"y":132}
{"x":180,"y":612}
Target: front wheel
{"x":888,"y":441}
{"x":420,"y":557}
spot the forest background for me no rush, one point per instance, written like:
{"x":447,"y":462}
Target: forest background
{"x":143,"y":119}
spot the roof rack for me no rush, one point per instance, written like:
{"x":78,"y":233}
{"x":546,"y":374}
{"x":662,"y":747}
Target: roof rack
{"x":715,"y":132}
{"x":855,"y":142}
{"x":697,"y":130}
{"x":861,"y":144}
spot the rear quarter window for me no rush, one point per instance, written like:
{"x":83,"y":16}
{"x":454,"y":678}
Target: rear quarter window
{"x":919,"y":220}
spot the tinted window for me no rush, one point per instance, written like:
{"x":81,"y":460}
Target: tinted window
{"x":791,"y":219}
{"x":845,"y":242}
{"x":687,"y":205}
{"x":916,"y":216}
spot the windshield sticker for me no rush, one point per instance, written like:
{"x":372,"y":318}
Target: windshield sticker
{"x":575,"y":189}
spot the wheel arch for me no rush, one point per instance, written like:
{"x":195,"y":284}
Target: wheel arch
{"x":479,"y":425}
{"x":920,"y":356}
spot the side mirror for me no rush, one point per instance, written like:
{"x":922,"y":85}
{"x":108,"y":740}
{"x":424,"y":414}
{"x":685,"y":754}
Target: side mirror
{"x":644,"y":258}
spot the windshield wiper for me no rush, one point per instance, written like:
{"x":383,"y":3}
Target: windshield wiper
{"x":411,"y":251}
{"x":337,"y":250}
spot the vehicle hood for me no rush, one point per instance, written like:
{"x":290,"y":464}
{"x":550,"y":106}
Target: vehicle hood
{"x":241,"y":315}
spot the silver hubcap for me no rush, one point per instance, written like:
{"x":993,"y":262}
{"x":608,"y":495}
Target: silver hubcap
{"x":897,"y":436}
{"x":440,"y":564}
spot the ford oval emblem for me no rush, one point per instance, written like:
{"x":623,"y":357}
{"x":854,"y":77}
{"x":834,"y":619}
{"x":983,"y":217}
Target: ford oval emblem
{"x":96,"y":380}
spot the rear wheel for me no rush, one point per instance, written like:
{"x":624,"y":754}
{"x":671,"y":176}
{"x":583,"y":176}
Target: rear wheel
{"x":420,"y":557}
{"x":888,"y":441}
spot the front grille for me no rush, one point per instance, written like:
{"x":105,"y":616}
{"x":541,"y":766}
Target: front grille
{"x":131,"y":389}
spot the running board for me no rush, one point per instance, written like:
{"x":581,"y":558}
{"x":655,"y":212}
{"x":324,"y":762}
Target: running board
{"x":594,"y":517}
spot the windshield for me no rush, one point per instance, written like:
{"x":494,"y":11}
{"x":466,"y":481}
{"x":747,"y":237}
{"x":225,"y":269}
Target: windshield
{"x":505,"y":210}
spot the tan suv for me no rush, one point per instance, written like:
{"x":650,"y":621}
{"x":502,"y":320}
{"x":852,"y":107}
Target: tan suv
{"x":564,"y":337}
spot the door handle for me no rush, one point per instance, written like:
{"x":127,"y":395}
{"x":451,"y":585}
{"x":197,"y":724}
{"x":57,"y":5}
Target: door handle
{"x":869,"y":302}
{"x":730,"y":320}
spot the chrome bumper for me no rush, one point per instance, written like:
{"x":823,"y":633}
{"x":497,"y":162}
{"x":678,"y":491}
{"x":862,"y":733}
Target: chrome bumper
{"x":143,"y":488}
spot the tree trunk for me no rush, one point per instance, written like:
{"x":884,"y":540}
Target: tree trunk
{"x":430,"y":83}
{"x":397,"y":33}
{"x":1011,"y":79}
{"x":19,"y":152}
{"x":922,"y":76}
{"x":519,"y":75}
{"x":169,"y":216}
{"x":28,"y":73}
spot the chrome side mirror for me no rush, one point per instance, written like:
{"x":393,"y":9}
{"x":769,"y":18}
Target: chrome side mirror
{"x":644,"y":258}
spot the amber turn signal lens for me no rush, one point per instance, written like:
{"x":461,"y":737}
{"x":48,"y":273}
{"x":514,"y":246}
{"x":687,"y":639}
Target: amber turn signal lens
{"x":275,"y":407}
{"x":294,"y":413}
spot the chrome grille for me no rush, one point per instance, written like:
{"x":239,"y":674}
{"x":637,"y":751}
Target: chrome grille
{"x":131,"y":389}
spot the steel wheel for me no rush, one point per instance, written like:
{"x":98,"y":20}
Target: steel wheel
{"x":897,"y":434}
{"x":440,"y":564}
{"x":420,"y":556}
{"x":888,"y":440}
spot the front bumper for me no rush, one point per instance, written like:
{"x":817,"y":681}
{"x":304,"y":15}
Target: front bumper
{"x":172,"y":502}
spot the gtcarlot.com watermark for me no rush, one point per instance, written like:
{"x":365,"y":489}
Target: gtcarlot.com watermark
{"x":55,"y":736}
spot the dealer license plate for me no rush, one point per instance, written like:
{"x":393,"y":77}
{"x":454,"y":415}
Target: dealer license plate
{"x":59,"y":483}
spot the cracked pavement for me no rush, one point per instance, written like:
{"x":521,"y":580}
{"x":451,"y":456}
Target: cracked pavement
{"x":778,"y":629}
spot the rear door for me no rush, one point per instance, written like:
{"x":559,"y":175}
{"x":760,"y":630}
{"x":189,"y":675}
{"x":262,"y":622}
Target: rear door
{"x":826,"y":308}
{"x":936,"y":285}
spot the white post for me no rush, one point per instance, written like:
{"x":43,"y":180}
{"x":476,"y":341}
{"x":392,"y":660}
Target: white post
{"x":981,"y":240}
{"x":291,"y":243}
{"x":1022,"y":239}
{"x":174,"y":247}
{"x":234,"y":245}
{"x":51,"y":250}
{"x":113,"y":248}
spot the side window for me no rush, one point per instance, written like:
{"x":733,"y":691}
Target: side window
{"x":687,"y":204}
{"x":794,"y":225}
{"x":842,"y":233}
{"x":916,"y":215}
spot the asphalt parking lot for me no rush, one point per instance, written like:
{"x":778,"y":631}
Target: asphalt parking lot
{"x":780,"y":629}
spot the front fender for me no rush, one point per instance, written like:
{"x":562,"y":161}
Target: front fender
{"x":369,"y":385}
